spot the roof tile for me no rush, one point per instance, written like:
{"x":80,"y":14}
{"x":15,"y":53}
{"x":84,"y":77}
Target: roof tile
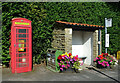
{"x":79,"y":24}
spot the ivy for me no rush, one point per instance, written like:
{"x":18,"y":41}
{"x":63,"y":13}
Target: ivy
{"x":40,"y":33}
{"x":44,"y":14}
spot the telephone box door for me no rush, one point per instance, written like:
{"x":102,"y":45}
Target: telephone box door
{"x":22,"y":49}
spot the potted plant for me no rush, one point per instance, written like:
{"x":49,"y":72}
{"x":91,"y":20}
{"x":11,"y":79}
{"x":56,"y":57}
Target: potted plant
{"x":66,"y":61}
{"x":76,"y":64}
{"x":104,"y":61}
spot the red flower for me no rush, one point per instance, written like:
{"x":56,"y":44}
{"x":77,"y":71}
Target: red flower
{"x":101,"y":56}
{"x":59,"y":57}
{"x":70,"y":54}
{"x":105,"y":54}
{"x":76,"y":57}
{"x":63,"y":56}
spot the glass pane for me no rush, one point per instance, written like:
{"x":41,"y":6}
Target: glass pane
{"x":21,"y":55}
{"x":16,"y":30}
{"x":22,"y":35}
{"x":22,"y":30}
{"x":21,"y":45}
{"x":16,"y":35}
{"x":27,"y":35}
{"x":21,"y":60}
{"x":22,"y":64}
{"x":27,"y":31}
{"x":21,"y":41}
{"x":22,"y":49}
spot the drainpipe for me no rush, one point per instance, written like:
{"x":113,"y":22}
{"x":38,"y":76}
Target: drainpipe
{"x":99,"y":42}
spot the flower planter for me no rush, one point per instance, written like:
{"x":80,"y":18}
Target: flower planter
{"x":100,"y":66}
{"x":69,"y":63}
{"x":76,"y":70}
{"x":69,"y":70}
{"x":104,"y":61}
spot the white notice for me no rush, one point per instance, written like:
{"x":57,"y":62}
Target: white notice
{"x":107,"y":40}
{"x":109,"y":22}
{"x":70,"y":31}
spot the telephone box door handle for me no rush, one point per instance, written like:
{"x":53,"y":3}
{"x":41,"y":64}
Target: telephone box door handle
{"x":14,"y":45}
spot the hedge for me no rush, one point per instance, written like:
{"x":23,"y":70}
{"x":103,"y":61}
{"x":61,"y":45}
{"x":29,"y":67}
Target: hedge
{"x":44,"y":14}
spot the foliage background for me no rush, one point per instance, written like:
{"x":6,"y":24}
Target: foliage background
{"x":44,"y":14}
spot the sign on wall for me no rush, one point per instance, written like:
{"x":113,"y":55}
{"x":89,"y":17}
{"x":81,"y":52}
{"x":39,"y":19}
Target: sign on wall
{"x":70,"y":31}
{"x":107,"y":40}
{"x":109,"y":22}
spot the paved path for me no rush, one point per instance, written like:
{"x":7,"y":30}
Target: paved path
{"x":41,"y":73}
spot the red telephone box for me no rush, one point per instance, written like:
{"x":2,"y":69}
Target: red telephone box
{"x":21,"y":45}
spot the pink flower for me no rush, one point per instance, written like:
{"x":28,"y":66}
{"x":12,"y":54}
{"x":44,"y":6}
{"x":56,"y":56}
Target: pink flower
{"x":68,"y":65}
{"x":76,"y":55}
{"x":107,"y":64}
{"x":97,"y":58}
{"x":99,"y":62}
{"x":81,"y":63}
{"x":94,"y":60}
{"x":104,"y":61}
{"x":75,"y":59}
{"x":63,"y":65}
{"x":59,"y":64}
{"x":63,"y":57}
{"x":103,"y":65}
{"x":61,"y":69}
{"x":110,"y":60}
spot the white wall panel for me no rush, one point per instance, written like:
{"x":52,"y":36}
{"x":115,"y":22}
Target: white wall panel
{"x":82,"y":45}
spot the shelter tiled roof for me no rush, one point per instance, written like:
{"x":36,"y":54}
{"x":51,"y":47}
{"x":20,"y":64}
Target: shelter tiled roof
{"x":79,"y":24}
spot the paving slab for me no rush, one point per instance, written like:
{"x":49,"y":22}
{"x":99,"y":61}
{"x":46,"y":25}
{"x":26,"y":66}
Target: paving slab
{"x":41,"y":73}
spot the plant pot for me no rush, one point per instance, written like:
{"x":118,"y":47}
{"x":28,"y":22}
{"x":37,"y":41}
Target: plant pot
{"x":76,"y":70}
{"x":69,"y":70}
{"x":62,"y":71}
{"x":99,"y":66}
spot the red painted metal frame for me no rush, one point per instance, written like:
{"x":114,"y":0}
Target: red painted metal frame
{"x":14,"y":45}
